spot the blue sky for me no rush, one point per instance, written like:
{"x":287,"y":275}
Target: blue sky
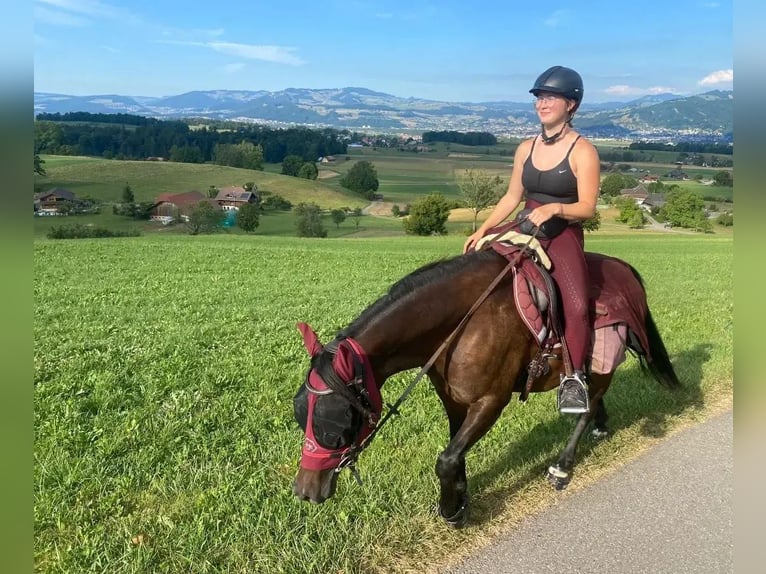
{"x":461,"y":51}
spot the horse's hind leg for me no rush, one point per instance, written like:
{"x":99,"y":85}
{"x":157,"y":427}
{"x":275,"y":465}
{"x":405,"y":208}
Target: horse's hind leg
{"x":560,"y":474}
{"x":600,"y":429}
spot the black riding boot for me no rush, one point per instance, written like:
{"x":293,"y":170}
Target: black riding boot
{"x":573,"y":394}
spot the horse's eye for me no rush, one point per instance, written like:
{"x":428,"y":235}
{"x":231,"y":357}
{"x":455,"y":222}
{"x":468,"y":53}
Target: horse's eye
{"x":335,"y":422}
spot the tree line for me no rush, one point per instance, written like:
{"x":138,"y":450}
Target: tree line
{"x":464,"y":138}
{"x":111,"y":137}
{"x":688,"y":147}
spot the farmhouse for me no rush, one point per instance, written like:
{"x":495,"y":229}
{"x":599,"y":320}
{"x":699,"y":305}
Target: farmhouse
{"x":654,"y":200}
{"x":638,"y":193}
{"x":231,"y":198}
{"x":51,"y":202}
{"x":170,"y":206}
{"x":677,"y":174}
{"x":643,"y":198}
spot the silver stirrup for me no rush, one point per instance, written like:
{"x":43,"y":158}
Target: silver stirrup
{"x":576,"y":409}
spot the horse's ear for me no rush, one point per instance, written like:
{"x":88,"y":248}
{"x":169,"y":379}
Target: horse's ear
{"x":310,"y":339}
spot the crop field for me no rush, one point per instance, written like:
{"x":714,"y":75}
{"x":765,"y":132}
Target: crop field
{"x":164,"y":371}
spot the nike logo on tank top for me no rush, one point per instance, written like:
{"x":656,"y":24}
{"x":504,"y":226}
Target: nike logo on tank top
{"x":557,"y":184}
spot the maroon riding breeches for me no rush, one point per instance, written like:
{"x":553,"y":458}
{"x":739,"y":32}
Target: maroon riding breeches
{"x":570,"y":272}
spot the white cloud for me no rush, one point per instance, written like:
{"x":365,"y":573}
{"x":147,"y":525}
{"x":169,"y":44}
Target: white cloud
{"x":622,"y":90}
{"x":92,"y":8}
{"x":57,"y":18}
{"x":233,"y":68}
{"x":717,"y":77}
{"x":556,"y":19}
{"x":278,"y":54}
{"x":625,"y":90}
{"x":80,"y":12}
{"x":661,"y":90}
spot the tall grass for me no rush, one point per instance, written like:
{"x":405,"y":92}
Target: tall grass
{"x":164,"y":372}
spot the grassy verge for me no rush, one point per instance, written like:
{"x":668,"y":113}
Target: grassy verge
{"x":164,"y":372}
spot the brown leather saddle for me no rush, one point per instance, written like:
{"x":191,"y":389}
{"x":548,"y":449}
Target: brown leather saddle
{"x":617,"y":306}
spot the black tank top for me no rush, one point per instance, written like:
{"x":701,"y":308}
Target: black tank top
{"x":557,"y":184}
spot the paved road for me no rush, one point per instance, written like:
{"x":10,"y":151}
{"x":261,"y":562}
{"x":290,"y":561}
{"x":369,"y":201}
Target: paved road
{"x":669,"y":511}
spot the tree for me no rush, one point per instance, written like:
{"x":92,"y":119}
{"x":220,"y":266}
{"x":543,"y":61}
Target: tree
{"x":205,"y":218}
{"x":248,"y":217}
{"x":630,"y":212}
{"x":723,"y":178}
{"x":39,"y":169}
{"x":127,"y":194}
{"x":592,"y":223}
{"x":356,"y":214}
{"x":275,"y":202}
{"x":291,"y":165}
{"x":212,"y":191}
{"x":362,"y":178}
{"x":338,"y":216}
{"x":308,"y":171}
{"x":684,"y":209}
{"x":309,"y":220}
{"x":480,"y":191}
{"x":725,"y":219}
{"x":245,"y":155}
{"x":613,"y":183}
{"x":428,"y":216}
{"x":186,"y":154}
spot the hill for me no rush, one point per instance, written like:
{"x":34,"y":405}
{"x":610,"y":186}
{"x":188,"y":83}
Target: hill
{"x":708,"y":115}
{"x":105,"y":179}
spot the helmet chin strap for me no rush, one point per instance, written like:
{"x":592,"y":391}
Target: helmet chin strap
{"x":551,"y":139}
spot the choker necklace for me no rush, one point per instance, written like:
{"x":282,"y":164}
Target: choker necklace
{"x":551,"y":139}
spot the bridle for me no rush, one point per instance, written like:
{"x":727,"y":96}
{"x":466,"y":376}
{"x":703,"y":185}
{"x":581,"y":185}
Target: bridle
{"x":357,"y":392}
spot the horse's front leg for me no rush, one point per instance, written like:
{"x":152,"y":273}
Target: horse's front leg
{"x":560,"y":474}
{"x":465,"y":431}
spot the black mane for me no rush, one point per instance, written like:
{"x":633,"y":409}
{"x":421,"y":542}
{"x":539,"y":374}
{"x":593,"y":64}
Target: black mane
{"x":426,"y":275}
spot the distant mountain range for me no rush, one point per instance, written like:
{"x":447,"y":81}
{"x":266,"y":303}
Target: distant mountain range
{"x":663,"y":116}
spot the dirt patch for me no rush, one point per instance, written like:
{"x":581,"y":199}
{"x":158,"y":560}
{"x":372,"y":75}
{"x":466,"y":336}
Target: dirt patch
{"x":380,"y":208}
{"x":326,"y":174}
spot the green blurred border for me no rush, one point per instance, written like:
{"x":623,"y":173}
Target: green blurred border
{"x":749,"y":244}
{"x":16,"y":338}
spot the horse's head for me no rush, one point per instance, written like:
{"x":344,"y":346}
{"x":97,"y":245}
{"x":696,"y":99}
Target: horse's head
{"x":337,"y":407}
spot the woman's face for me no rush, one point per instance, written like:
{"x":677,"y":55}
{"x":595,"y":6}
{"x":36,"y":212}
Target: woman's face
{"x":552,"y":108}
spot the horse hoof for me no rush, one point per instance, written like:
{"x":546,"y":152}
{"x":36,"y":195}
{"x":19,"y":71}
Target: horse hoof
{"x":599,"y":434}
{"x":558,"y":478}
{"x":460,"y":518}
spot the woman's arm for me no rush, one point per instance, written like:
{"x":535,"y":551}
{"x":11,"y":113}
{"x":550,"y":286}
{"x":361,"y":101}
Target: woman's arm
{"x":509,"y":201}
{"x":587,"y":168}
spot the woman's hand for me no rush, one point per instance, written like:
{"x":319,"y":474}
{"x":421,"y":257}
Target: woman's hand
{"x":543,"y":213}
{"x":472,"y":240}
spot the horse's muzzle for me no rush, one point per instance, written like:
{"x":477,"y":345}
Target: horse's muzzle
{"x":315,"y":485}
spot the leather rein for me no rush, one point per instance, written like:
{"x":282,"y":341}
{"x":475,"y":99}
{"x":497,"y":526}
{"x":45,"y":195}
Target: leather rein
{"x":352,"y":454}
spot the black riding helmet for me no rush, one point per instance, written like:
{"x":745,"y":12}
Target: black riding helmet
{"x":560,"y":80}
{"x":563,"y":81}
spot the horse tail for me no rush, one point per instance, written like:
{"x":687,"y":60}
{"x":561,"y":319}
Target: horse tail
{"x":659,"y":366}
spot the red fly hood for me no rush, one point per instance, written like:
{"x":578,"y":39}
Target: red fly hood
{"x":333,"y":426}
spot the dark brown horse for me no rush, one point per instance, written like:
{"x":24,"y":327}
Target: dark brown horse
{"x":485,"y":361}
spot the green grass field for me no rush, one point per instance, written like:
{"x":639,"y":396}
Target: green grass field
{"x":165,"y":367}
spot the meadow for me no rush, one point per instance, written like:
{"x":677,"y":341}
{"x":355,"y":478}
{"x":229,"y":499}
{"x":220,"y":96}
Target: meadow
{"x":165,"y":367}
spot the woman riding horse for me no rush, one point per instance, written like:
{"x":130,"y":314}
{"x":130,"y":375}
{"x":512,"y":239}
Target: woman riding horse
{"x":557,"y":173}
